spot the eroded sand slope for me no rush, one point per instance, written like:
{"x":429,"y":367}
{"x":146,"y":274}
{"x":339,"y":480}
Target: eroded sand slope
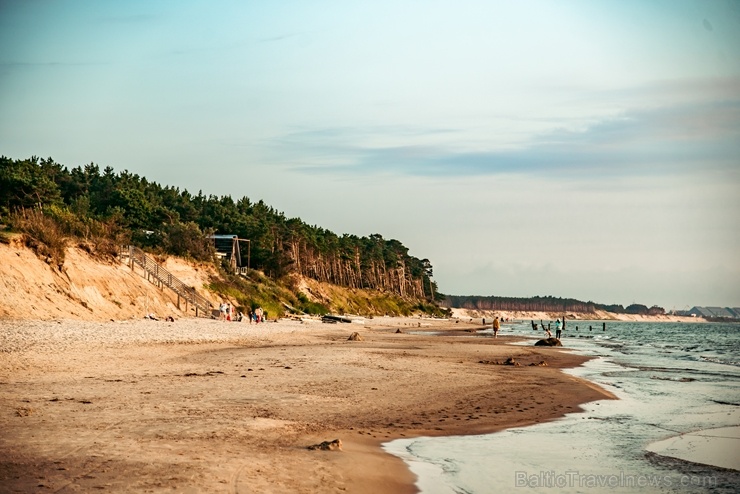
{"x":87,"y":288}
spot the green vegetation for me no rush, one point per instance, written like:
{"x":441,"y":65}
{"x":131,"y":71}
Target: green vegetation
{"x":102,"y":210}
{"x":42,"y":234}
{"x":253,"y":292}
{"x":311,"y":308}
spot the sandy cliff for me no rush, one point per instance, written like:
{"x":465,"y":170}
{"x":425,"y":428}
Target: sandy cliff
{"x":87,"y":288}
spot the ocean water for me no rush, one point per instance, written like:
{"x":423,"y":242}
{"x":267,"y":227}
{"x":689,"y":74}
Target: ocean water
{"x":677,"y":418}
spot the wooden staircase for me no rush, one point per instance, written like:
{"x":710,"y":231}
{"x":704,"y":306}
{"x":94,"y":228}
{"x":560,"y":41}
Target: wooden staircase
{"x":157,"y":274}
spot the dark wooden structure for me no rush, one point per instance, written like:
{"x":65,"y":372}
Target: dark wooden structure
{"x":228,"y":247}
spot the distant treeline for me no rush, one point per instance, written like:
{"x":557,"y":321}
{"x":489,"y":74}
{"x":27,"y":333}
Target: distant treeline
{"x":543,"y":304}
{"x":88,"y":202}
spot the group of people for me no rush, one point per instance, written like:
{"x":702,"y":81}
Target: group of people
{"x":225,"y":310}
{"x":229,"y":313}
{"x":546,"y":329}
{"x":558,"y":330}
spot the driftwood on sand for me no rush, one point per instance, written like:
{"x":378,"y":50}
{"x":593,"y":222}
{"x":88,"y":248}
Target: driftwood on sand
{"x":335,"y":445}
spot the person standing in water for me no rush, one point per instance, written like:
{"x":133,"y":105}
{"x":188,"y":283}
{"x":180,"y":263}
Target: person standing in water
{"x":496,"y":326}
{"x":557,"y":328}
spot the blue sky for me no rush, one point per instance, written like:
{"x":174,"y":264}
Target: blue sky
{"x":586,"y":149}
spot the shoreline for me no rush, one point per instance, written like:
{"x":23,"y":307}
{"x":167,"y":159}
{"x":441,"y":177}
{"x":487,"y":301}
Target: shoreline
{"x":205,"y":403}
{"x":652,"y":431}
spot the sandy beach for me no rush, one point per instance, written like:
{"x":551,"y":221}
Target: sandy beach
{"x":209,"y":406}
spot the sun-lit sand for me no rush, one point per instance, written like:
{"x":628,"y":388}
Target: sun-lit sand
{"x":718,"y":447}
{"x":208,"y":406}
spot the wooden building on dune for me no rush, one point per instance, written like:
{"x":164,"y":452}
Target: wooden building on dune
{"x":230,"y":248}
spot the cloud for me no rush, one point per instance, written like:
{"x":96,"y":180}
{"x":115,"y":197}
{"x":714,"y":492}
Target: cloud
{"x":646,"y":142}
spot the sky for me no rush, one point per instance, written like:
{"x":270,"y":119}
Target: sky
{"x":584,"y":149}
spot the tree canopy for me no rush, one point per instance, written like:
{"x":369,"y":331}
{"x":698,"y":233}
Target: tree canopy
{"x":178,"y":222}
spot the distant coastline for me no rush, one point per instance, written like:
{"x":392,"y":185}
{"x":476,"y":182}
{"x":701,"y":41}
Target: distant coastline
{"x":578,"y":309}
{"x":599,"y":315}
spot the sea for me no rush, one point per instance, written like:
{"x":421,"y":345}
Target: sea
{"x":674,"y":428}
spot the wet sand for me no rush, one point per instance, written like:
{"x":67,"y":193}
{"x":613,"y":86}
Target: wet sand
{"x":207,"y":406}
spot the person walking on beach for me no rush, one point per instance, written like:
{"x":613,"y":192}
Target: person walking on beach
{"x":496,"y":326}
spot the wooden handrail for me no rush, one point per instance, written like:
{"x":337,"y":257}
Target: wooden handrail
{"x":138,"y":256}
